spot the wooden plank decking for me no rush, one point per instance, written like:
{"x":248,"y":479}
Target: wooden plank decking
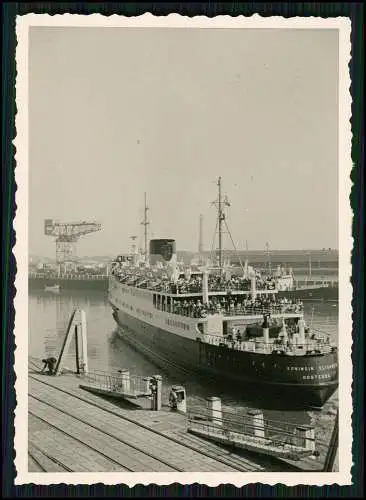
{"x":71,"y":429}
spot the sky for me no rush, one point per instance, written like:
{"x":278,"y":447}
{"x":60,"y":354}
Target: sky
{"x":116,"y":112}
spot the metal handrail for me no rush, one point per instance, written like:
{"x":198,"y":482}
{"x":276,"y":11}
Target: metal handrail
{"x":274,"y":437}
{"x":233,"y":421}
{"x":252,"y":344}
{"x":119,"y":383}
{"x":255,"y":311}
{"x":187,"y":288}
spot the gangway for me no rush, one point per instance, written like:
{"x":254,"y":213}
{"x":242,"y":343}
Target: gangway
{"x":252,"y":433}
{"x":121,"y":384}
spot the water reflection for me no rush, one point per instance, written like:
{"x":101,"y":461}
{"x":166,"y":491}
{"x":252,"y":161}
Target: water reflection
{"x":48,"y":317}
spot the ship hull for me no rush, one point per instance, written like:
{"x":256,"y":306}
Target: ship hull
{"x":40,"y":283}
{"x":282,"y":377}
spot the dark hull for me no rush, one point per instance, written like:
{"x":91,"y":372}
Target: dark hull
{"x":69,"y":284}
{"x":272,"y":374}
{"x":321,"y":294}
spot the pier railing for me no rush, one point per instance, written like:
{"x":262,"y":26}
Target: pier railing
{"x":119,"y":383}
{"x":252,"y":430}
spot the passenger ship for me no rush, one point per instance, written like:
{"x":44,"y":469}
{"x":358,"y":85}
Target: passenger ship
{"x":232,"y":328}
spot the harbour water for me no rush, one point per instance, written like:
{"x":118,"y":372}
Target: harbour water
{"x":48,"y":317}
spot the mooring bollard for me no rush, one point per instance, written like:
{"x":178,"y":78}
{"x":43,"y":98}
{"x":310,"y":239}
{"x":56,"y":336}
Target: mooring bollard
{"x":305,"y":437}
{"x":214,"y":410}
{"x":156,"y":390}
{"x":256,"y":421}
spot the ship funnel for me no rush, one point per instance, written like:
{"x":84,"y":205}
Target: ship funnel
{"x":162,"y":252}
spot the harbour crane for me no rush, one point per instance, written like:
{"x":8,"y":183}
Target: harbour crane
{"x":67,"y":235}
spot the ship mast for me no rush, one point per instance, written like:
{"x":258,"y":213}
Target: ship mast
{"x":221,"y":218}
{"x":145,"y":223}
{"x":221,"y":203}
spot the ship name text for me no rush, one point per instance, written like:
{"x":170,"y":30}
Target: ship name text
{"x":317,"y":376}
{"x":312,"y":368}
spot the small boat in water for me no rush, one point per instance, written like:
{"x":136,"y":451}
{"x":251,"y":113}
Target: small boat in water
{"x":52,"y":288}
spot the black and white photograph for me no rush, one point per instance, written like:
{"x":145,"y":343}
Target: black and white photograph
{"x":183,"y":250}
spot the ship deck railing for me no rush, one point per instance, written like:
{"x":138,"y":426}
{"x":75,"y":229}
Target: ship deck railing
{"x":211,"y":293}
{"x":257,"y":345}
{"x":238,"y":313}
{"x":315,"y":283}
{"x":118,"y":384}
{"x":184,"y":289}
{"x":276,"y":309}
{"x":189,"y":289}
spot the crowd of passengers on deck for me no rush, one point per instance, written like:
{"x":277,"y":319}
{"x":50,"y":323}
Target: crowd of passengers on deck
{"x":160,"y":281}
{"x":234,"y":306}
{"x":283,"y":342}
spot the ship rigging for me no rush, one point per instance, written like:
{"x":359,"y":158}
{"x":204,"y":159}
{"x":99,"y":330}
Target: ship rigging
{"x":221,"y":203}
{"x":145,"y":223}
